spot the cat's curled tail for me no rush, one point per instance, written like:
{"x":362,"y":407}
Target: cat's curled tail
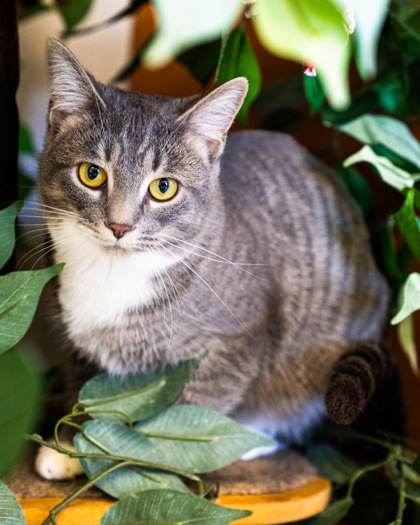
{"x":365,"y":385}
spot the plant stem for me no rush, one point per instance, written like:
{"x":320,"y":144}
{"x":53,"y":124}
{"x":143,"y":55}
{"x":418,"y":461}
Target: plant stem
{"x":363,"y":471}
{"x":401,"y":503}
{"x":81,"y":490}
{"x":120,"y":459}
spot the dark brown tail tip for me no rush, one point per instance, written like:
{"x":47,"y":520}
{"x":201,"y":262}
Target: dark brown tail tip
{"x":353,"y":382}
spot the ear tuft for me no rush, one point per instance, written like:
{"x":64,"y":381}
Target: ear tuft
{"x":214,"y":114}
{"x":70,"y":86}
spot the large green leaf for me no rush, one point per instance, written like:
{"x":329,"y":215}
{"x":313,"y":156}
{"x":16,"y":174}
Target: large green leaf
{"x":19,"y":295}
{"x":390,"y":132}
{"x":239,"y":60}
{"x":309,"y":32}
{"x":7,"y":232}
{"x":331,"y":464}
{"x":20,"y":387}
{"x":74,"y":11}
{"x":409,"y":224}
{"x":410,"y":298}
{"x":389,"y":173}
{"x":170,"y":507}
{"x":198,"y":439}
{"x":10,"y":510}
{"x":134,"y":397}
{"x":122,"y":441}
{"x":187,"y":23}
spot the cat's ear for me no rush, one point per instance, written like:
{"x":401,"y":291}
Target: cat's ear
{"x":211,"y":117}
{"x":71,"y":89}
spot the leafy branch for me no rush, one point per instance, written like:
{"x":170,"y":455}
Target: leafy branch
{"x":132,"y":422}
{"x":400,"y":466}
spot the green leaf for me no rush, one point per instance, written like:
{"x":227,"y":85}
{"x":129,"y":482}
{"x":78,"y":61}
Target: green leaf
{"x":331,"y":464}
{"x":285,"y":93}
{"x":169,"y":507}
{"x":25,"y":185}
{"x":410,"y":298}
{"x":406,"y":337}
{"x":309,"y":32}
{"x":390,"y":132}
{"x":239,"y":60}
{"x":26,"y":143}
{"x":73,"y":12}
{"x":187,"y":23}
{"x":361,"y":103}
{"x":333,"y":514}
{"x":10,"y":510}
{"x":198,"y":439}
{"x":20,"y":387}
{"x":134,"y":397}
{"x":409,"y":224}
{"x":390,"y":174}
{"x":358,"y":188}
{"x":7,"y":232}
{"x":416,"y":464}
{"x":369,"y":23}
{"x":399,"y":472}
{"x":19,"y":295}
{"x":122,"y":441}
{"x":314,"y":93}
{"x":201,"y":61}
{"x":389,"y":261}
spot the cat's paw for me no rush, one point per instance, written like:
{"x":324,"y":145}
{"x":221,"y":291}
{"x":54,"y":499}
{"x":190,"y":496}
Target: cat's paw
{"x":49,"y":464}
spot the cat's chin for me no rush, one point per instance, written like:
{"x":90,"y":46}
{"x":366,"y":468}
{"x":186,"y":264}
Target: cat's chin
{"x":118,"y":249}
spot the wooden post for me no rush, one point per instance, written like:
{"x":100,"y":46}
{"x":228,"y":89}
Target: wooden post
{"x":9,"y":119}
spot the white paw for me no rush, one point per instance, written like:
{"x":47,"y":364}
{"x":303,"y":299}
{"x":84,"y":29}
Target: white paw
{"x":49,"y":464}
{"x":262,"y":451}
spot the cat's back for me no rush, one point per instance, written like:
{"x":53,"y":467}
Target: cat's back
{"x":309,"y":229}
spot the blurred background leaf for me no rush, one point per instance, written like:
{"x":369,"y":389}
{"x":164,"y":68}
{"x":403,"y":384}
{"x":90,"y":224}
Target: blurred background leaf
{"x":20,"y":394}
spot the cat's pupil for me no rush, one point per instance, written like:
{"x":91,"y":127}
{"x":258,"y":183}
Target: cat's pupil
{"x":92,"y":172}
{"x":163,"y":185}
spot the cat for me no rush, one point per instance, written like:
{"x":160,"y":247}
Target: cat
{"x":178,"y":240}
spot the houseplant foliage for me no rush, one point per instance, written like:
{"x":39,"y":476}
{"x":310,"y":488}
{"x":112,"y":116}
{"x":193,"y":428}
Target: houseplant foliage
{"x":20,"y":383}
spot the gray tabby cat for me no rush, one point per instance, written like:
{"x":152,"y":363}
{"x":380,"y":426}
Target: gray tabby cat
{"x":178,"y":240}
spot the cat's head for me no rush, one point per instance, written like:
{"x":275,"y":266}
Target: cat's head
{"x":125,"y":167}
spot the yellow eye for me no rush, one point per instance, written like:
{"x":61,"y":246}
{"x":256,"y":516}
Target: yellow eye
{"x":91,"y":175}
{"x":163,"y":189}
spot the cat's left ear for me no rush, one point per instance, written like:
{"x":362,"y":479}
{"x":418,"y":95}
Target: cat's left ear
{"x":211,"y":117}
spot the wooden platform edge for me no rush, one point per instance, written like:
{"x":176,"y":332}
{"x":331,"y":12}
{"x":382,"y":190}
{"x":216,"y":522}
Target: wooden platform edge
{"x":267,"y":509}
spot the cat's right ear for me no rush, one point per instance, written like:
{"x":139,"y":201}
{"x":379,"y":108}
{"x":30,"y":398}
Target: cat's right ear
{"x":71,"y":89}
{"x":209,"y":119}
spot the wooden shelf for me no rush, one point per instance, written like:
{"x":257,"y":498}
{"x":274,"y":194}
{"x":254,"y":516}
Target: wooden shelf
{"x":267,"y":509}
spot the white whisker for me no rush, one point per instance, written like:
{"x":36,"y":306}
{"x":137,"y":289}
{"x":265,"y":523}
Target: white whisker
{"x":211,"y":289}
{"x":222,"y":261}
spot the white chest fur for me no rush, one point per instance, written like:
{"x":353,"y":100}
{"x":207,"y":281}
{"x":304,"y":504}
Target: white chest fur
{"x":97,"y":287}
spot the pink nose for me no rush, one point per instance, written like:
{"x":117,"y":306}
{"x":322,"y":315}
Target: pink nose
{"x":119,"y":229}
